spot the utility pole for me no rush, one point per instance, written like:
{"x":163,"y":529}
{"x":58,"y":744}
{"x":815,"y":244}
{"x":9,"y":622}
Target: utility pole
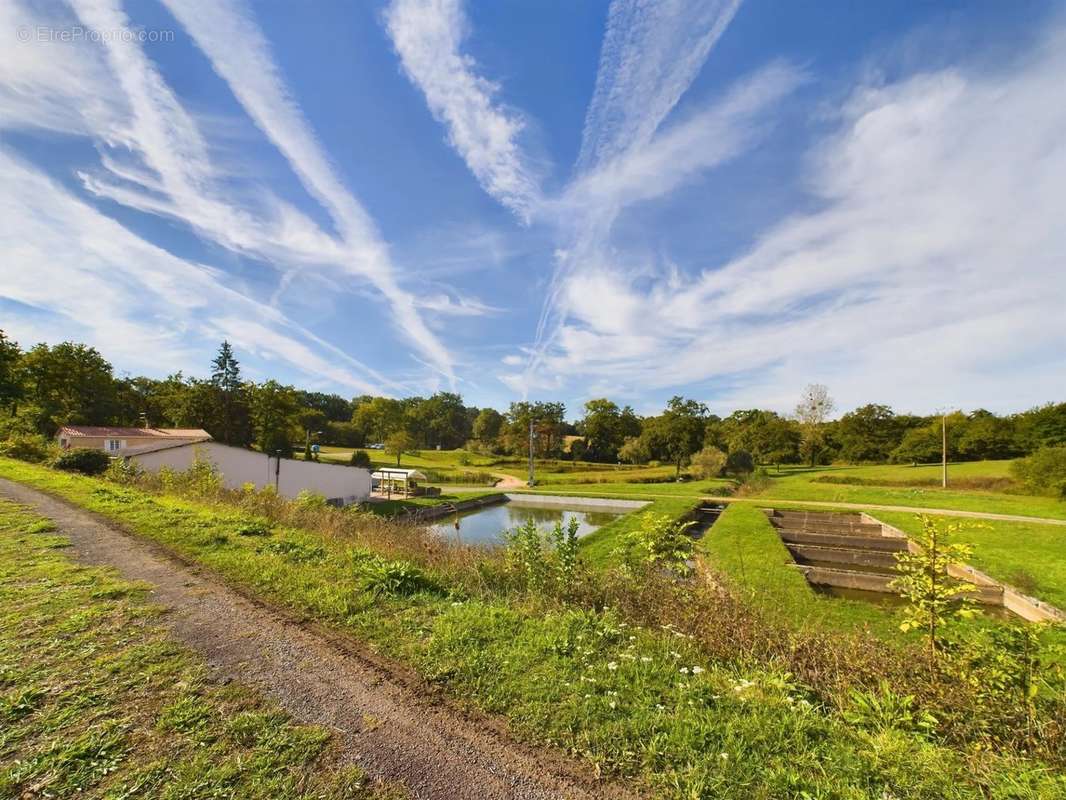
{"x":944,"y":450}
{"x":532,"y":481}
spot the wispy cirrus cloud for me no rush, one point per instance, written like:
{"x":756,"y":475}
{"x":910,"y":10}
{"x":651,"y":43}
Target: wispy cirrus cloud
{"x":74,"y":273}
{"x":172,"y":148}
{"x":650,"y":55}
{"x":931,"y":273}
{"x":428,"y":36}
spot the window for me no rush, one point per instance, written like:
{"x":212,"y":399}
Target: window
{"x":113,"y":445}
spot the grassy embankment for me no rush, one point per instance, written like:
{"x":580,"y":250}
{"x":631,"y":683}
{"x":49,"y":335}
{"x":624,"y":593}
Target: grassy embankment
{"x":96,"y":701}
{"x":640,"y":702}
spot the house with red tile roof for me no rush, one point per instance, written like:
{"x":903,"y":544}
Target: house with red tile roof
{"x":117,"y":440}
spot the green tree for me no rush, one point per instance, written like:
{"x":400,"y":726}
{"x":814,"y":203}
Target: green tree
{"x":232,"y":409}
{"x":987,"y":436}
{"x":399,"y":443}
{"x":924,"y":444}
{"x":442,"y":420}
{"x":548,"y":426}
{"x":379,"y":417}
{"x":10,"y":373}
{"x":932,"y":595}
{"x":487,"y":425}
{"x":605,"y":427}
{"x":769,"y":437}
{"x":677,"y":433}
{"x":868,"y":434}
{"x":68,"y":384}
{"x":273,"y":409}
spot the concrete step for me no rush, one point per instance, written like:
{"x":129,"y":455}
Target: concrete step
{"x":847,"y":541}
{"x":874,"y":582}
{"x":841,"y":530}
{"x":868,"y":560}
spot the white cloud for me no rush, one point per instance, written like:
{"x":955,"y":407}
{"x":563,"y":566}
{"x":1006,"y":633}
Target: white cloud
{"x":932,"y":275}
{"x":154,"y":157}
{"x":428,"y":37}
{"x":77,"y":274}
{"x":651,"y":53}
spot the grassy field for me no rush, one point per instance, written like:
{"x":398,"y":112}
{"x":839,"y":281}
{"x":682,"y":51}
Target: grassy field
{"x":642,"y":702}
{"x":804,"y":484}
{"x":746,"y":551}
{"x":1029,"y":556}
{"x":95,"y":701}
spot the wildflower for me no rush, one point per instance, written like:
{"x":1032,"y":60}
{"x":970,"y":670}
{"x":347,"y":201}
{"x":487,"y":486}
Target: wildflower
{"x":723,"y":756}
{"x":646,"y":659}
{"x":612,"y":666}
{"x":697,"y":670}
{"x":683,"y":670}
{"x":612,"y":704}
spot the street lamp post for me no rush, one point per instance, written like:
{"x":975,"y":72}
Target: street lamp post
{"x":532,"y":479}
{"x":944,"y":450}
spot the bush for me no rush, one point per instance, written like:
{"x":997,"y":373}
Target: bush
{"x":739,"y":463}
{"x":1044,"y":471}
{"x":659,"y":542}
{"x":360,"y":458}
{"x":708,"y":462}
{"x":84,"y":460}
{"x":384,"y":578}
{"x":28,"y":447}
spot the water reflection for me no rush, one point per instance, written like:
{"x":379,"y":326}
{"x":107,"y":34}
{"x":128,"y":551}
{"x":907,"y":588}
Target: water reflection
{"x":486,"y":525}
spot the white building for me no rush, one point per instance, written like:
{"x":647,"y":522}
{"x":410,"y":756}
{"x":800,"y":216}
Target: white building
{"x":238,"y":466}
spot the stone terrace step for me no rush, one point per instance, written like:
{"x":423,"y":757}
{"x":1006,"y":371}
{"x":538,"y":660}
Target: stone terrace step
{"x":869,"y":560}
{"x":848,"y":541}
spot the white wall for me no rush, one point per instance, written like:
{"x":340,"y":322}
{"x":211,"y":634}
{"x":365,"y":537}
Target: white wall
{"x":239,"y":466}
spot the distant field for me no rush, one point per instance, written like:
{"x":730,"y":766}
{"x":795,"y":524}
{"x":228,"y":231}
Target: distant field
{"x":802,"y":484}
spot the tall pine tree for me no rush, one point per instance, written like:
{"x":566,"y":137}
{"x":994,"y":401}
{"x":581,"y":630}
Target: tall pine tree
{"x":226,"y":377}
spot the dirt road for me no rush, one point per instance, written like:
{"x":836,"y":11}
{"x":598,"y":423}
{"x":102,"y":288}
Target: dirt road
{"x":386,"y":721}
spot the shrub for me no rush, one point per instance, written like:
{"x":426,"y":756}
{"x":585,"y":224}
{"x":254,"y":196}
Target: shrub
{"x":1043,"y":471}
{"x":84,"y":460}
{"x":28,"y":447}
{"x":739,"y":463}
{"x":659,"y":542}
{"x":123,"y":472}
{"x":547,"y":563}
{"x":254,"y":527}
{"x":360,"y":458}
{"x":308,"y":500}
{"x":383,"y":578}
{"x":708,"y":462}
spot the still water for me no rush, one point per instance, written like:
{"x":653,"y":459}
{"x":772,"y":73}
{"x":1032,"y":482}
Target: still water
{"x":486,"y":525}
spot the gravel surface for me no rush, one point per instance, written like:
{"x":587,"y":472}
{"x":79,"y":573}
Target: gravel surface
{"x":385,"y":719}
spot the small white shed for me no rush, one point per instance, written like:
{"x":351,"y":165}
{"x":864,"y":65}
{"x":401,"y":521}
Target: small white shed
{"x":238,"y":466}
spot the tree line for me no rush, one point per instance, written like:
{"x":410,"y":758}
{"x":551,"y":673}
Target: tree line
{"x":46,"y":386}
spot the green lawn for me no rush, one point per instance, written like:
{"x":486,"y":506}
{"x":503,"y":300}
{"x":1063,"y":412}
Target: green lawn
{"x":801,"y":484}
{"x":96,"y":701}
{"x":746,"y":551}
{"x":645,"y":703}
{"x":1030,"y":556}
{"x":599,"y":546}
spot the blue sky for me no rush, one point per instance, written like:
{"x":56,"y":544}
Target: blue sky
{"x":726,"y":200}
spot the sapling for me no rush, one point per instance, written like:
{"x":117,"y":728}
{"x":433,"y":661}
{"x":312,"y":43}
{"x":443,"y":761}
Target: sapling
{"x":933,"y":596}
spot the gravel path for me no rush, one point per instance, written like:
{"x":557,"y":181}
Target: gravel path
{"x":386,"y":721}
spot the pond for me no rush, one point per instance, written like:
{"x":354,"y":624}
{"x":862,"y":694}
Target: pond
{"x":487,"y":525}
